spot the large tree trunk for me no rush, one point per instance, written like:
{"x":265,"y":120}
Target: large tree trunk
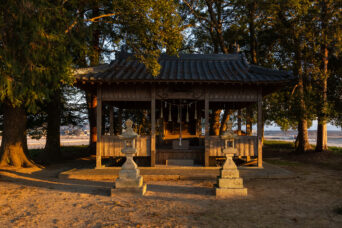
{"x":322,"y":135}
{"x":13,"y":149}
{"x":224,"y":121}
{"x":216,"y":22}
{"x":252,"y":36}
{"x":215,"y":123}
{"x":302,"y":140}
{"x":91,"y":96}
{"x":52,"y":151}
{"x":249,"y":120}
{"x":91,"y":106}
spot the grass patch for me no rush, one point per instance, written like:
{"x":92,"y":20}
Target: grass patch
{"x":336,"y":150}
{"x":271,"y":147}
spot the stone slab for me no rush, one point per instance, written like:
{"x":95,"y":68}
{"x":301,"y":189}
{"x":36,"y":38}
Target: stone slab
{"x":224,"y":193}
{"x":135,"y":191}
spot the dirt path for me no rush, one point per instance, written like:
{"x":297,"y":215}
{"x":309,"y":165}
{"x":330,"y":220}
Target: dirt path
{"x":41,"y":199}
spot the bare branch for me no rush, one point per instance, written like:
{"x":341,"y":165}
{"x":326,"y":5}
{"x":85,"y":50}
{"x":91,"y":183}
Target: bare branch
{"x":94,"y":19}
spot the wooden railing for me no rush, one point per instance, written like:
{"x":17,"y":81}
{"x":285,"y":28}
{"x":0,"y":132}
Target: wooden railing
{"x":111,"y":146}
{"x":246,"y":146}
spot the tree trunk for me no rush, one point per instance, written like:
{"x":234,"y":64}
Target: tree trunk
{"x":252,"y":37}
{"x":215,"y":123}
{"x":91,"y":105}
{"x":239,"y":122}
{"x":302,"y":137}
{"x":13,"y":149}
{"x":249,"y":121}
{"x":52,"y":151}
{"x":216,"y":21}
{"x":224,"y":121}
{"x":322,"y":135}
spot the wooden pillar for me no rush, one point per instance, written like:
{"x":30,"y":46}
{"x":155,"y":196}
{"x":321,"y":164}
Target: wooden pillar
{"x":153,"y":127}
{"x":99,"y":127}
{"x":259,"y":128}
{"x":111,"y":120}
{"x":239,"y":122}
{"x":206,"y":126}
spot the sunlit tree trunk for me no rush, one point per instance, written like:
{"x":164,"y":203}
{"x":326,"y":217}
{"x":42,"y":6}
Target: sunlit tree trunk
{"x":322,"y":135}
{"x":215,"y":123}
{"x":91,"y":96}
{"x":302,"y":140}
{"x":13,"y":150}
{"x":91,"y":106}
{"x":224,"y":121}
{"x":249,"y":121}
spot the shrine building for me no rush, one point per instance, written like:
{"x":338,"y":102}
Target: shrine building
{"x":172,"y":112}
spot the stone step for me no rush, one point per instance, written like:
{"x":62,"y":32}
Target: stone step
{"x":180,"y":162}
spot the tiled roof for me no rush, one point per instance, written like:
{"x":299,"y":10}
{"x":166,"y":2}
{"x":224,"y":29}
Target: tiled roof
{"x":225,"y":68}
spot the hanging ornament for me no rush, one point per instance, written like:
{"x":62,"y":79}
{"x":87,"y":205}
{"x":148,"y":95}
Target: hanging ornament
{"x":170,"y":118}
{"x":161,"y":111}
{"x":178,"y":119}
{"x":195,"y":117}
{"x":187,"y":114}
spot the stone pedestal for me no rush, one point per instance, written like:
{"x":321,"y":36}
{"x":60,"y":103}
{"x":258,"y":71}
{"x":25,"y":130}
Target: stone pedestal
{"x":129,"y":180}
{"x":229,"y":183}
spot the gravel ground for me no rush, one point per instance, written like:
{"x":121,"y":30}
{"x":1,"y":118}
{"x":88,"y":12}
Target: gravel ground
{"x":37,"y":198}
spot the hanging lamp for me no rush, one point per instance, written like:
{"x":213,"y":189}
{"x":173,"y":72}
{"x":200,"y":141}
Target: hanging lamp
{"x":178,"y":119}
{"x":187,"y":113}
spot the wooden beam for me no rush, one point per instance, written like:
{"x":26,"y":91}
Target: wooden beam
{"x":206,"y":137}
{"x":153,"y":126}
{"x":99,"y":127}
{"x":259,"y":128}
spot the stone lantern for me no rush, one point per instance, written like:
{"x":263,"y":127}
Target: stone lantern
{"x":129,"y":179}
{"x":229,"y":183}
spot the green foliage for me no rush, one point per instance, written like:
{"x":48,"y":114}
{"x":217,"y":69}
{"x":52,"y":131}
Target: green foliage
{"x":33,"y":55}
{"x":148,"y":27}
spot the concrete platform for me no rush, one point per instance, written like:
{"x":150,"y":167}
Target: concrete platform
{"x":177,"y":173}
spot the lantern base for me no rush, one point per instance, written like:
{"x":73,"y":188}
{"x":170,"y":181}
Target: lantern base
{"x":129,"y":185}
{"x":134,"y":191}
